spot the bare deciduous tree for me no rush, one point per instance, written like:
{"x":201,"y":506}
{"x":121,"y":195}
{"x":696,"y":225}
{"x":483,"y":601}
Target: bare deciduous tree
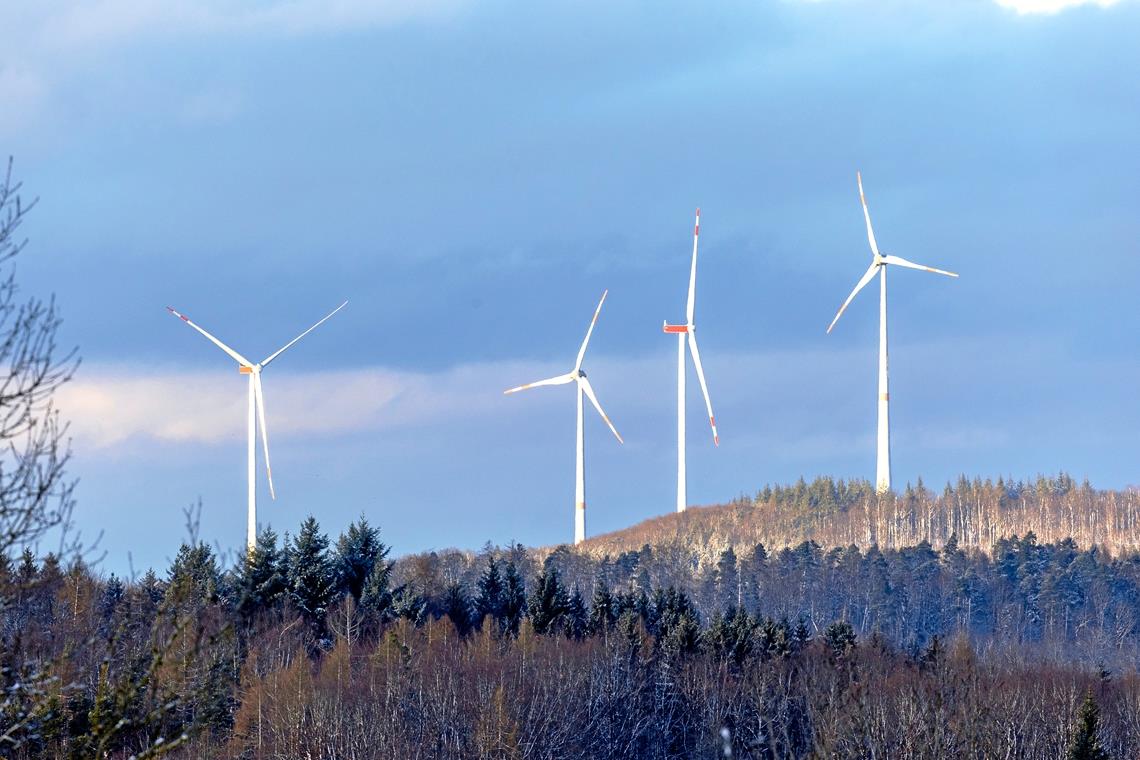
{"x":36,"y":493}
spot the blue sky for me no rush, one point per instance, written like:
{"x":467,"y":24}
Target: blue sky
{"x":471,"y":176}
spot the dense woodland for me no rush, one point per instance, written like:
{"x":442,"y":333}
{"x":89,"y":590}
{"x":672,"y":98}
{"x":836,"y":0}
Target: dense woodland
{"x":316,"y":647}
{"x":840,"y":513}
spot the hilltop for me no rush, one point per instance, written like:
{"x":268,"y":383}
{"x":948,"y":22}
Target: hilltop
{"x":843,"y":513}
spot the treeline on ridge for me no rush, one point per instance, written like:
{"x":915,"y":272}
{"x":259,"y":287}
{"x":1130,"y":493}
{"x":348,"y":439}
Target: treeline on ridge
{"x":330,"y":649}
{"x":840,"y":513}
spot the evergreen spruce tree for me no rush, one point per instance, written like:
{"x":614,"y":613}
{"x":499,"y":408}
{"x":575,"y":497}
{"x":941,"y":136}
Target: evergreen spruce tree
{"x":1086,"y":745}
{"x":194,"y":577}
{"x":547,"y":603}
{"x":514,"y":599}
{"x":457,"y":606}
{"x":409,"y":605}
{"x":262,"y":583}
{"x":311,"y":576}
{"x":576,"y":620}
{"x":603,"y":610}
{"x":489,"y":603}
{"x":357,"y":551}
{"x":840,"y":636}
{"x":376,"y":599}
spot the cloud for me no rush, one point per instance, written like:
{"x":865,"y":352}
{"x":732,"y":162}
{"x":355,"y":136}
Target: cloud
{"x":110,"y":406}
{"x":1051,"y":6}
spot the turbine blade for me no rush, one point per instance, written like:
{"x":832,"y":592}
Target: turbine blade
{"x":704,"y":386}
{"x":589,"y":391}
{"x":898,"y":261}
{"x":233,"y":354}
{"x":589,"y":330}
{"x":690,"y":307}
{"x":281,"y":350}
{"x":867,"y":215}
{"x":259,"y":394}
{"x":560,"y":380}
{"x":867,"y":277}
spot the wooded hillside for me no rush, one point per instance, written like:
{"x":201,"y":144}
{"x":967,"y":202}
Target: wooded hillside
{"x":841,"y":513}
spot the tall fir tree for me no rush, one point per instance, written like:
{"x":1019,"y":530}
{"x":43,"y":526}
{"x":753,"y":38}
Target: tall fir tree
{"x":457,"y":607}
{"x":311,"y":576}
{"x":262,"y":583}
{"x":547,"y":602}
{"x":603,"y":610}
{"x":489,"y":602}
{"x":1086,"y":744}
{"x":514,"y":599}
{"x":357,"y":551}
{"x":376,"y":596}
{"x":576,"y":620}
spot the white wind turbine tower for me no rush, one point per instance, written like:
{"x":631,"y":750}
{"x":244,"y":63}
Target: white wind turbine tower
{"x":576,"y":375}
{"x":879,"y":266}
{"x":690,"y":330}
{"x":256,"y":416}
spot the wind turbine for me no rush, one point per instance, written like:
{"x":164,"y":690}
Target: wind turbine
{"x":878,"y":266}
{"x":688,"y":329}
{"x":577,"y":375}
{"x":256,"y":416}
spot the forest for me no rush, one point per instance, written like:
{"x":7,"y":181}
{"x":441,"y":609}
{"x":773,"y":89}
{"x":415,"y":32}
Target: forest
{"x":976,"y":513}
{"x":321,"y":647}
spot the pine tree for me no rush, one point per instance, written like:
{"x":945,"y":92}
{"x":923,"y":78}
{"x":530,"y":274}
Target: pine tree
{"x":457,"y":607}
{"x":840,"y":636}
{"x":311,"y":577}
{"x":262,"y":582}
{"x":409,"y":605}
{"x":603,"y":610}
{"x":547,"y":603}
{"x":576,"y":620}
{"x":1086,"y":745}
{"x":376,"y":597}
{"x":514,"y":599}
{"x":194,"y":577}
{"x":489,"y":603}
{"x":357,"y":551}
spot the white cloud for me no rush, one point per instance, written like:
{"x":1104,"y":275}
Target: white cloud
{"x":110,"y":406}
{"x":1051,"y":6}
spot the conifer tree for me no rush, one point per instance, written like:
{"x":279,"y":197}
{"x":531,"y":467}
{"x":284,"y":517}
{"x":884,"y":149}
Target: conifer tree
{"x":409,"y":605}
{"x":547,"y":603}
{"x":357,"y":551}
{"x":376,"y":597}
{"x":194,"y":577}
{"x":489,"y":603}
{"x":603,"y":610}
{"x":1086,"y":744}
{"x":514,"y":599}
{"x":840,"y":636}
{"x":311,"y":578}
{"x":576,"y":619}
{"x":262,"y":582}
{"x":456,"y":605}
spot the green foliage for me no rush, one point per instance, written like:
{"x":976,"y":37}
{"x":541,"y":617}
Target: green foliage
{"x":261,"y":584}
{"x":358,"y":551}
{"x":547,"y":602}
{"x":840,"y":637}
{"x":311,"y":577}
{"x":1086,"y":744}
